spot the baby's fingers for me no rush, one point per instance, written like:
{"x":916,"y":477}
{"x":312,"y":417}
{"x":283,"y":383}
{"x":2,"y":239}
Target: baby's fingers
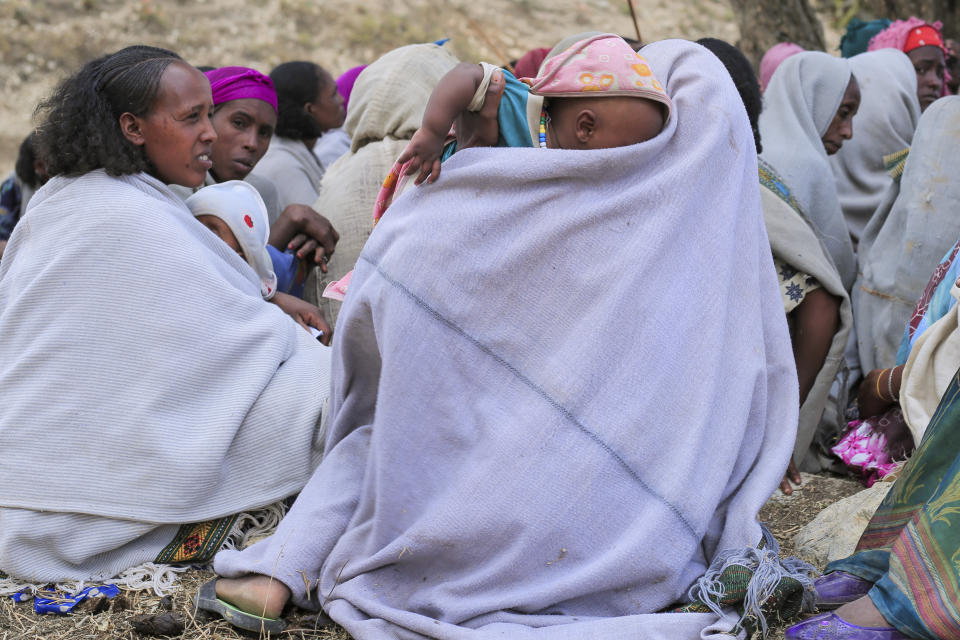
{"x":435,"y":172}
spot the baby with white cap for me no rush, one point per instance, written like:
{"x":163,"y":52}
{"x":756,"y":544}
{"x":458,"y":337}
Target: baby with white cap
{"x":235,"y":212}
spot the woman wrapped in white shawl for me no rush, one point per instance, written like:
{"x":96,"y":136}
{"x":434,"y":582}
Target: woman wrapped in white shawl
{"x":147,"y":386}
{"x":885,"y":123}
{"x":807,"y":92}
{"x":563,"y":389}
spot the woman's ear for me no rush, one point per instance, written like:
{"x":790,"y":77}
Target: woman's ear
{"x":130,"y":126}
{"x":585,"y":125}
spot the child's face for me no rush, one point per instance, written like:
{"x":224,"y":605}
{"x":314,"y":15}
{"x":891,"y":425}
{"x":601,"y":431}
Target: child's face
{"x":222,"y":231}
{"x":602,"y":123}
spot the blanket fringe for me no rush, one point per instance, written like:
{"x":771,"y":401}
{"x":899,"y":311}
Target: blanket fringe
{"x":768,"y":570}
{"x":161,"y":579}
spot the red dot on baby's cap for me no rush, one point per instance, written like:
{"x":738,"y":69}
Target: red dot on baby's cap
{"x":248,"y":220}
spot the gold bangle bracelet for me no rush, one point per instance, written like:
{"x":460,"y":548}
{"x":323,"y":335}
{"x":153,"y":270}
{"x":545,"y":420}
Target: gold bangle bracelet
{"x":879,"y":378}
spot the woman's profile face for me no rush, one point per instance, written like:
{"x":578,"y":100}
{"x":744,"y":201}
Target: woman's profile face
{"x":841,"y":127}
{"x":244,"y":128}
{"x":327,"y":108}
{"x":176,"y":134}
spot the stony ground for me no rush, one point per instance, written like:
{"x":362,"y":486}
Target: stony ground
{"x":141,"y":615}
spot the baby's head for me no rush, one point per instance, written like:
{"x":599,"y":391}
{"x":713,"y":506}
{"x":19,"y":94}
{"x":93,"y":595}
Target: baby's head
{"x":600,"y":93}
{"x":235,"y":212}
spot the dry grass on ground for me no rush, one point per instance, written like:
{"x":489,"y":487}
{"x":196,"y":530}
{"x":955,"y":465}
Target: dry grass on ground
{"x":118,"y":619}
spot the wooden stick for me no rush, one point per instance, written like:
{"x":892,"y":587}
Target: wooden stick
{"x":636,"y":25}
{"x":483,"y":36}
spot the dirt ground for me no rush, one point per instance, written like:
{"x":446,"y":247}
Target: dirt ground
{"x":124,"y":617}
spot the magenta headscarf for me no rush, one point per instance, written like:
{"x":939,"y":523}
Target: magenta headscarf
{"x":346,"y":81}
{"x":236,"y":83}
{"x":772,"y":59}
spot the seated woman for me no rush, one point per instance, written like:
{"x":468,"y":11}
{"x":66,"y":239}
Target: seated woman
{"x":806,"y":96}
{"x":907,"y":238}
{"x":887,"y":118}
{"x":546,"y":482}
{"x":309,"y":104}
{"x":386,"y":107}
{"x":816,"y":304}
{"x":895,"y":410}
{"x":902,"y":580}
{"x":149,"y":389}
{"x":808,"y":111}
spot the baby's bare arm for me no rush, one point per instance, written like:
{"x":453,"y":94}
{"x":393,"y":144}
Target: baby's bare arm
{"x":449,"y":99}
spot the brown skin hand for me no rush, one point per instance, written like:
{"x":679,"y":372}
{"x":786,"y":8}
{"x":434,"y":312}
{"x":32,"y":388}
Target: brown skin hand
{"x":841,"y":127}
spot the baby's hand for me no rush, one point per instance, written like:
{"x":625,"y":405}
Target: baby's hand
{"x":422,"y":154}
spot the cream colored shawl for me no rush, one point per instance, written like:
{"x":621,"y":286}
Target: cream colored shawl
{"x":933,"y":361}
{"x":386,"y":108}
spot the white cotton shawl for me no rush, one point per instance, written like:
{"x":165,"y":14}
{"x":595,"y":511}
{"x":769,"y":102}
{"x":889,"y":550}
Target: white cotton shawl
{"x":800,"y":102}
{"x":888,"y":115}
{"x":144,"y":378}
{"x":909,"y":235}
{"x":562,"y":384}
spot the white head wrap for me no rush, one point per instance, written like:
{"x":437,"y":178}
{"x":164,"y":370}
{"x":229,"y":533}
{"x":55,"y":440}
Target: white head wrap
{"x":239,"y":205}
{"x":800,"y":102}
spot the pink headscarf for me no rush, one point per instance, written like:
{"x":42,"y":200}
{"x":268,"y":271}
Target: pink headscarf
{"x":772,"y":59}
{"x":236,"y":83}
{"x":602,"y":65}
{"x":896,"y":35}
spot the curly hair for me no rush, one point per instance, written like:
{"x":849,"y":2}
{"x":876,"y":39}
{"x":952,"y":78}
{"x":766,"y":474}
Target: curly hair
{"x":26,"y":159}
{"x":743,"y":77}
{"x":81,"y":132}
{"x":297,"y":83}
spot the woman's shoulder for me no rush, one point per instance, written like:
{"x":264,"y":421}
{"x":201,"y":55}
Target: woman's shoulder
{"x":97,"y":196}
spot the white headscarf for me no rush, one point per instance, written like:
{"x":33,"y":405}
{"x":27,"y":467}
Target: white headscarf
{"x":239,"y":204}
{"x":885,"y":123}
{"x":909,"y":235}
{"x":800,"y":102}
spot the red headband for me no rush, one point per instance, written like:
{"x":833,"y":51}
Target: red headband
{"x":922,"y":36}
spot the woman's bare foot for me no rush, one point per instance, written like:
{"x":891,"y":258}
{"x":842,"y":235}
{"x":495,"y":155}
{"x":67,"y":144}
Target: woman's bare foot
{"x":863,"y":613}
{"x":260,"y":595}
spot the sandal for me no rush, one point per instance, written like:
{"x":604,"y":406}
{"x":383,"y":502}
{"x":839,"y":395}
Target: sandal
{"x":207,"y":600}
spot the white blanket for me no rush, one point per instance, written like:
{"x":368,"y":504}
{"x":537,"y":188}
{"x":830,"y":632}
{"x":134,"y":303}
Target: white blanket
{"x":562,"y":384}
{"x":908,"y":236}
{"x":145,"y":382}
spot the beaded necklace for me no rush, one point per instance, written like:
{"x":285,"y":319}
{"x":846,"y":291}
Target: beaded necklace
{"x":543,"y":127}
